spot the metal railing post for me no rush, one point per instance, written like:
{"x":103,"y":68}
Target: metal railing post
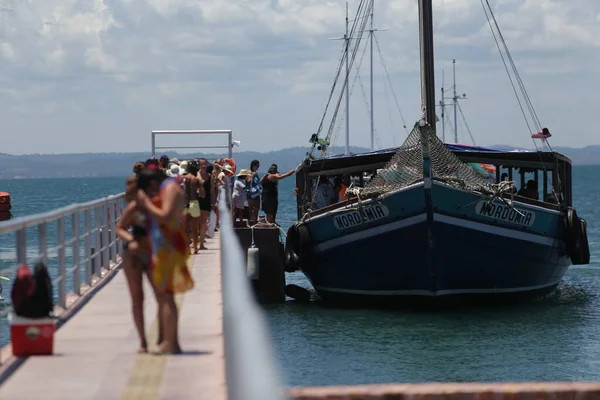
{"x":76,"y":254}
{"x":22,"y":246}
{"x":105,"y":239}
{"x":88,"y":246}
{"x":112,"y":225}
{"x":42,"y":243}
{"x":62,"y":285}
{"x":98,"y":242}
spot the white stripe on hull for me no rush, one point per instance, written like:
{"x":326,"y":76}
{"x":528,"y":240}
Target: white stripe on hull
{"x":430,"y":293}
{"x":367,"y":233}
{"x":496,"y":230}
{"x":405,"y":223}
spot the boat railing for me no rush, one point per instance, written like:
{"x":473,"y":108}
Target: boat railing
{"x":250,"y":364}
{"x":77,"y":243}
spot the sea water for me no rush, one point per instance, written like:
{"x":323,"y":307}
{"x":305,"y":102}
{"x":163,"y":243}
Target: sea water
{"x":556,"y":338}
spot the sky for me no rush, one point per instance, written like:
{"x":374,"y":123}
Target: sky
{"x":98,"y":75}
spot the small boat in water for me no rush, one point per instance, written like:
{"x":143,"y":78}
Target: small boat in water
{"x":5,"y":206}
{"x":428,"y":224}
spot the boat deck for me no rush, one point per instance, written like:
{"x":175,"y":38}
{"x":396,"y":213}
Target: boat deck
{"x":95,"y":351}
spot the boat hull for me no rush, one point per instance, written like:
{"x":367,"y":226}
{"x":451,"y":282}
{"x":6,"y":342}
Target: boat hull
{"x":447,"y":250}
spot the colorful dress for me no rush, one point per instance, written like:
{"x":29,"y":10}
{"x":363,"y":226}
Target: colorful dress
{"x":170,"y":252}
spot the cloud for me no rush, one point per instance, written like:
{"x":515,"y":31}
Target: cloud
{"x":98,"y":75}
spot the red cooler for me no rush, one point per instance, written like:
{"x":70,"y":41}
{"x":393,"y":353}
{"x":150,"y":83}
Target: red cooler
{"x":31,"y":337}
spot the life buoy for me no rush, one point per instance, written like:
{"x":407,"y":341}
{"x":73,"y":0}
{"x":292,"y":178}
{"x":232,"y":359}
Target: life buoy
{"x":230,"y":162}
{"x":296,"y":247}
{"x":4,"y":197}
{"x":576,"y":238}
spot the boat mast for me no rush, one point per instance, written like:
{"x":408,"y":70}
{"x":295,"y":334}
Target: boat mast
{"x":347,"y":40}
{"x":427,"y":62}
{"x":455,"y":99}
{"x":372,"y":31}
{"x":443,"y":109}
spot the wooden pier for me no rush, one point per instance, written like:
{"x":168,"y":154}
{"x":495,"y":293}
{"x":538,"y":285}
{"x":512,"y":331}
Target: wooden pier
{"x":95,"y":351}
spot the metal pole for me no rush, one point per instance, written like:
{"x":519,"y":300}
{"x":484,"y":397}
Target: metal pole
{"x":153,"y":145}
{"x":62,"y":260}
{"x":347,"y":39}
{"x":76,"y":253}
{"x":455,"y":101}
{"x":427,"y":62}
{"x":372,"y":107}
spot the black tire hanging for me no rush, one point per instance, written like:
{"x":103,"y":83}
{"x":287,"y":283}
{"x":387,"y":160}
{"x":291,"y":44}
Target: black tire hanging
{"x":576,"y":238}
{"x":297,"y":245}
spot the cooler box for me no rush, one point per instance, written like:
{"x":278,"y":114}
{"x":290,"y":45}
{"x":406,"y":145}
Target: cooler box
{"x":31,"y":337}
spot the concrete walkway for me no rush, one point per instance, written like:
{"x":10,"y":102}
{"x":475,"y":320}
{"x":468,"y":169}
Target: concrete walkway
{"x":95,"y":352}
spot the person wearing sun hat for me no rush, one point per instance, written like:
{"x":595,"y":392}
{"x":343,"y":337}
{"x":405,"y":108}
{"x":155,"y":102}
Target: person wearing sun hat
{"x":238,"y":197}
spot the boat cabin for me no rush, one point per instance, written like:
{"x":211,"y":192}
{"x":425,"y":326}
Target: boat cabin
{"x":541,"y":178}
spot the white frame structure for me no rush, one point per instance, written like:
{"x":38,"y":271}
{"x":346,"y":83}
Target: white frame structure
{"x":229,"y":134}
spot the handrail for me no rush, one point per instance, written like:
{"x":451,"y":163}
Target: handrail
{"x":250,"y":364}
{"x":83,"y":240}
{"x":19,"y":223}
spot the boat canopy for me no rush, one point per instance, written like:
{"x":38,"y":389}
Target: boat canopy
{"x":355,"y":163}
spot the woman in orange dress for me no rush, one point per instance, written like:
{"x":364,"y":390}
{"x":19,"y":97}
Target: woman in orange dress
{"x":164,"y":201}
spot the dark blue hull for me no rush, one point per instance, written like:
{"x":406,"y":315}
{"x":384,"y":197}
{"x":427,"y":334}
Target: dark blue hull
{"x":443,"y":255}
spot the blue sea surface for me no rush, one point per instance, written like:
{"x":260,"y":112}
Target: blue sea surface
{"x":556,"y":338}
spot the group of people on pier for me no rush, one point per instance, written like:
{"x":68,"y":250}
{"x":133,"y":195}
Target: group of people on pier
{"x":170,"y":203}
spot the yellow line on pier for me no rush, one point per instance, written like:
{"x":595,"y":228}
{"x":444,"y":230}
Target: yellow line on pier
{"x":147,"y":373}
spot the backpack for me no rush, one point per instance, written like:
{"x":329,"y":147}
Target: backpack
{"x":32,"y":295}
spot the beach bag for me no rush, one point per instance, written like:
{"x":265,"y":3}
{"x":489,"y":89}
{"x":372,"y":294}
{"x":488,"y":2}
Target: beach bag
{"x":212,"y":224}
{"x":32,"y":295}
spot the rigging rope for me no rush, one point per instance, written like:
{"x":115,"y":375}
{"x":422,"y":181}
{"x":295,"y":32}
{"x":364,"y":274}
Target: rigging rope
{"x":387,"y":75}
{"x":465,"y":122}
{"x":489,"y":13}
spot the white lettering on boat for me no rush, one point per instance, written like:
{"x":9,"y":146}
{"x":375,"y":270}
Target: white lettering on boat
{"x":504,"y":213}
{"x":360,"y":216}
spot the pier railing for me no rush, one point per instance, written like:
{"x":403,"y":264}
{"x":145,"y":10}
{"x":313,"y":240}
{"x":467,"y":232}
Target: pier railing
{"x":77,"y":243}
{"x":250,"y":363}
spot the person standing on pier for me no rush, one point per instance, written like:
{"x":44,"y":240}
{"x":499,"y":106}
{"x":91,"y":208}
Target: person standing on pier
{"x":253,"y":191}
{"x":205,"y":201}
{"x":164,"y":201}
{"x":131,"y":229}
{"x":270,"y":182}
{"x":194,"y":189}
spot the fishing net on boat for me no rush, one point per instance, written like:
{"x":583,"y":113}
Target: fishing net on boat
{"x":406,"y":166}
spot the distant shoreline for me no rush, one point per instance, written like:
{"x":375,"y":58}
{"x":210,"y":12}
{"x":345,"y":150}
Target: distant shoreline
{"x":104,"y":165}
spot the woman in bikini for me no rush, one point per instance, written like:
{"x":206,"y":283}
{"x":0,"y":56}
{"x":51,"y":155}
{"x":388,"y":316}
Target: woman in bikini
{"x":132,"y":230}
{"x":163,"y":201}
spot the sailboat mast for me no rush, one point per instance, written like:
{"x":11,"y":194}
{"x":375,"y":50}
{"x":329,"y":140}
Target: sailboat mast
{"x":372,"y":31}
{"x":443,"y":109}
{"x":455,"y":98}
{"x":427,"y":62}
{"x":347,"y":40}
